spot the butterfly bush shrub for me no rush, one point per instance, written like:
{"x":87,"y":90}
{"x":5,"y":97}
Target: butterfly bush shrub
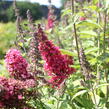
{"x":56,"y":64}
{"x":17,"y":65}
{"x":14,"y":91}
{"x":74,"y":75}
{"x":50,"y":18}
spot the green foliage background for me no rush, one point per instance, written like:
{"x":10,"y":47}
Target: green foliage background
{"x":7,"y":12}
{"x":23,"y":7}
{"x":91,"y":33}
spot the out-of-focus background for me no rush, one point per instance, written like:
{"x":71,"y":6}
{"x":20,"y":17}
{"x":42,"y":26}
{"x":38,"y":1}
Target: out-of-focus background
{"x":39,"y":10}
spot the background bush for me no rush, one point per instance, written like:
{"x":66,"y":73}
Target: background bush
{"x":23,"y":7}
{"x":38,"y":11}
{"x":7,"y":12}
{"x":7,"y":37}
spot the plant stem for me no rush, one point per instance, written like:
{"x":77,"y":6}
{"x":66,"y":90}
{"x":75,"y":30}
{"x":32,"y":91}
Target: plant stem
{"x":59,"y":40}
{"x":94,"y":97}
{"x":91,"y":86}
{"x":104,"y":34}
{"x":75,"y":33}
{"x":104,"y":50}
{"x":106,"y":79}
{"x":98,"y":67}
{"x":58,"y":101}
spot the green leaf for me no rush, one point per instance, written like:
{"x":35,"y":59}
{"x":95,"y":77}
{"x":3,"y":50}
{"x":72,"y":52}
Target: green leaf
{"x":69,"y":53}
{"x":79,"y":93}
{"x":66,"y":12}
{"x":93,"y":7}
{"x":89,"y":23}
{"x":76,"y":18}
{"x":107,"y":3}
{"x":90,"y":50}
{"x":95,"y":1}
{"x":94,"y":96}
{"x":101,"y":85}
{"x":65,"y":105}
{"x":77,"y":83}
{"x":69,"y":26}
{"x":87,"y":34}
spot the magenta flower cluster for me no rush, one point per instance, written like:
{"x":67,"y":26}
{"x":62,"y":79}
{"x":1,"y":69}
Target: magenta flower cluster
{"x":13,"y":92}
{"x":50,"y":20}
{"x":17,"y":65}
{"x":56,"y":64}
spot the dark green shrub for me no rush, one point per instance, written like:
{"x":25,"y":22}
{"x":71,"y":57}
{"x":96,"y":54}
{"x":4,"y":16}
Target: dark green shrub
{"x":24,"y":6}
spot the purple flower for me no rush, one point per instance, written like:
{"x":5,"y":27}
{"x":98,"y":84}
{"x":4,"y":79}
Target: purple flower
{"x":50,"y":19}
{"x":56,"y":64}
{"x":20,"y":97}
{"x":1,"y":105}
{"x":14,"y":91}
{"x":17,"y":65}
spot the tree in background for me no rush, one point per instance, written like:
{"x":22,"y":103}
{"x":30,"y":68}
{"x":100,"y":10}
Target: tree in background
{"x":24,"y":6}
{"x":7,"y":12}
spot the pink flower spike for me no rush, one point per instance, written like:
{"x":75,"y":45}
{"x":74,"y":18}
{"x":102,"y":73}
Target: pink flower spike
{"x":56,"y":64}
{"x":50,"y":19}
{"x":20,"y":97}
{"x":82,"y":18}
{"x":17,"y":65}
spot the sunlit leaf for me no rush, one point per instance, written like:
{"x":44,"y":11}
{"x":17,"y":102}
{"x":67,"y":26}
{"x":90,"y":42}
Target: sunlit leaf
{"x":89,"y":23}
{"x":79,"y":93}
{"x":87,"y":34}
{"x":66,"y":52}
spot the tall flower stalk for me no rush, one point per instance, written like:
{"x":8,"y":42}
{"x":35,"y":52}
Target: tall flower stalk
{"x":104,"y":51}
{"x":17,"y":65}
{"x":20,"y":36}
{"x":75,"y":32}
{"x":50,"y":18}
{"x":98,"y":53}
{"x":56,"y":64}
{"x":84,"y":64}
{"x":33,"y":52}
